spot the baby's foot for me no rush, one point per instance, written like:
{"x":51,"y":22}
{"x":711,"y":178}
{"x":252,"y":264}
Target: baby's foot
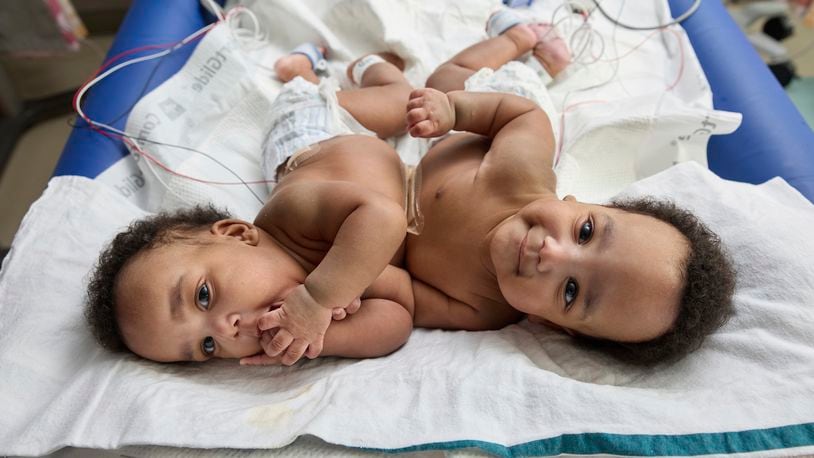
{"x":550,"y":49}
{"x":523,"y":37}
{"x":300,"y":62}
{"x":358,"y":67}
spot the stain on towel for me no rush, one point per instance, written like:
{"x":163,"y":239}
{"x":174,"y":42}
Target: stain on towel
{"x":270,"y":416}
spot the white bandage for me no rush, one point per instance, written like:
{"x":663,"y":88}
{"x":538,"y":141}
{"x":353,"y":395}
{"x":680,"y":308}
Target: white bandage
{"x":362,"y":65}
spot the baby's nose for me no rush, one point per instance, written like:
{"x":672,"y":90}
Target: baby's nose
{"x":227,"y":326}
{"x":552,"y":254}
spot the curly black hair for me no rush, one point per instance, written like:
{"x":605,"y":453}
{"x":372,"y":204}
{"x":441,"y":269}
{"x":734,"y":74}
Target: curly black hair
{"x":145,"y":234}
{"x":706,"y":297}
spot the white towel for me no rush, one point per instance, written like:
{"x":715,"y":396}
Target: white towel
{"x":525,"y":386}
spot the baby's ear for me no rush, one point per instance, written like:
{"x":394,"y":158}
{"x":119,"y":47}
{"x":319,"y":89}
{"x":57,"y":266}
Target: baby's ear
{"x":239,"y":229}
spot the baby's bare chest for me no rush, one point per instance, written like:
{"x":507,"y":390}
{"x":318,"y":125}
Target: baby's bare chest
{"x":449,"y":253}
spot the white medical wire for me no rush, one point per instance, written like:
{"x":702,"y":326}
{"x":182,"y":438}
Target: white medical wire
{"x":584,"y":30}
{"x":692,"y":9}
{"x":613,"y":76}
{"x":214,"y":8}
{"x":256,"y":35}
{"x":127,"y":63}
{"x":615,"y":73}
{"x":86,"y":87}
{"x":165,"y":185}
{"x":616,"y":52}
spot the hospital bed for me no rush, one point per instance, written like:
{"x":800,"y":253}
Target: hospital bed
{"x":773,"y":141}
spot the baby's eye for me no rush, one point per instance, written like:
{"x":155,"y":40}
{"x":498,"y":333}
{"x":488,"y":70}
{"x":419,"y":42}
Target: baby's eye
{"x":208,"y":346}
{"x":586,"y":231}
{"x":203,"y":296}
{"x":570,"y":293}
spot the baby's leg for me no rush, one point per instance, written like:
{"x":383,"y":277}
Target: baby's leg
{"x":491,"y":53}
{"x":299,"y":62}
{"x":513,"y":40}
{"x":383,"y":93}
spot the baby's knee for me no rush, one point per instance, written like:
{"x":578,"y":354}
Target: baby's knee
{"x":436,"y":79}
{"x":291,"y":66}
{"x":403,"y":330}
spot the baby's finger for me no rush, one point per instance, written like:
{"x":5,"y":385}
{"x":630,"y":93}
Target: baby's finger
{"x":266,"y":336}
{"x":416,"y":93}
{"x":260,"y":359}
{"x":270,"y":319}
{"x":422,"y":129}
{"x":354,"y":306}
{"x":415,"y":103}
{"x":294,"y":352}
{"x":279,"y":343}
{"x":338,"y":314}
{"x":314,"y":349}
{"x":417,"y":115}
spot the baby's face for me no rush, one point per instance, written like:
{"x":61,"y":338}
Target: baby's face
{"x":590,"y":269}
{"x":194,"y":301}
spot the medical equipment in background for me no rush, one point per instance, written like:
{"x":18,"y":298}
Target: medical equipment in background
{"x":778,"y":26}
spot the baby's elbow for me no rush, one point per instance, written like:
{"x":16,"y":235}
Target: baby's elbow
{"x":392,"y":217}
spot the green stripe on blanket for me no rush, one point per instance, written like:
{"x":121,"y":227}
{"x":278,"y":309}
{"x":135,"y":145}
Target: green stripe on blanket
{"x":753,"y":440}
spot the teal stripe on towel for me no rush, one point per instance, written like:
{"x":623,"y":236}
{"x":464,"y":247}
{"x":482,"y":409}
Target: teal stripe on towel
{"x":753,"y":440}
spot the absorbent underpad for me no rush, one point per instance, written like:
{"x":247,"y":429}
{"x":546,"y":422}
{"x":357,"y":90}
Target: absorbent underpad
{"x":522,"y":389}
{"x":643,"y":105}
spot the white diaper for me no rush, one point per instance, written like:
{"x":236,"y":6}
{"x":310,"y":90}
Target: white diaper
{"x":518,"y":79}
{"x":302,"y":115}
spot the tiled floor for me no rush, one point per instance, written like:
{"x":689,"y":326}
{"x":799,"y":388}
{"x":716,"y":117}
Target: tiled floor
{"x":37,"y":152}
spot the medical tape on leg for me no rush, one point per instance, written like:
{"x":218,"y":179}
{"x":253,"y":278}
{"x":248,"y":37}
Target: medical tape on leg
{"x":313,"y":53}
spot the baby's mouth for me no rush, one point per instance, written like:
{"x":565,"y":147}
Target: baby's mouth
{"x":520,"y":252}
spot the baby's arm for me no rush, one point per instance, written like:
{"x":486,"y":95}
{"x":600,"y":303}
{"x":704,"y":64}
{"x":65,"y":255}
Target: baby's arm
{"x":381,"y":325}
{"x":363,"y":229}
{"x":435,"y":310}
{"x":522,"y":139}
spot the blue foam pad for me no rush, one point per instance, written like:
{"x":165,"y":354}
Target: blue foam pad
{"x":774,"y":139}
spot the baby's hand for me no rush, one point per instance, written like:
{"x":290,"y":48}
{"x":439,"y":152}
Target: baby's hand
{"x":429,"y":113}
{"x":302,"y":323}
{"x":340,"y":313}
{"x":262,"y":359}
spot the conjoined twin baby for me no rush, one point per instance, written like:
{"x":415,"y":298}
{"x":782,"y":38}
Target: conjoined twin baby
{"x":353,"y":249}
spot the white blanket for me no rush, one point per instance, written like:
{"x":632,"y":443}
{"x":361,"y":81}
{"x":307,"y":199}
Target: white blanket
{"x":524,"y":388}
